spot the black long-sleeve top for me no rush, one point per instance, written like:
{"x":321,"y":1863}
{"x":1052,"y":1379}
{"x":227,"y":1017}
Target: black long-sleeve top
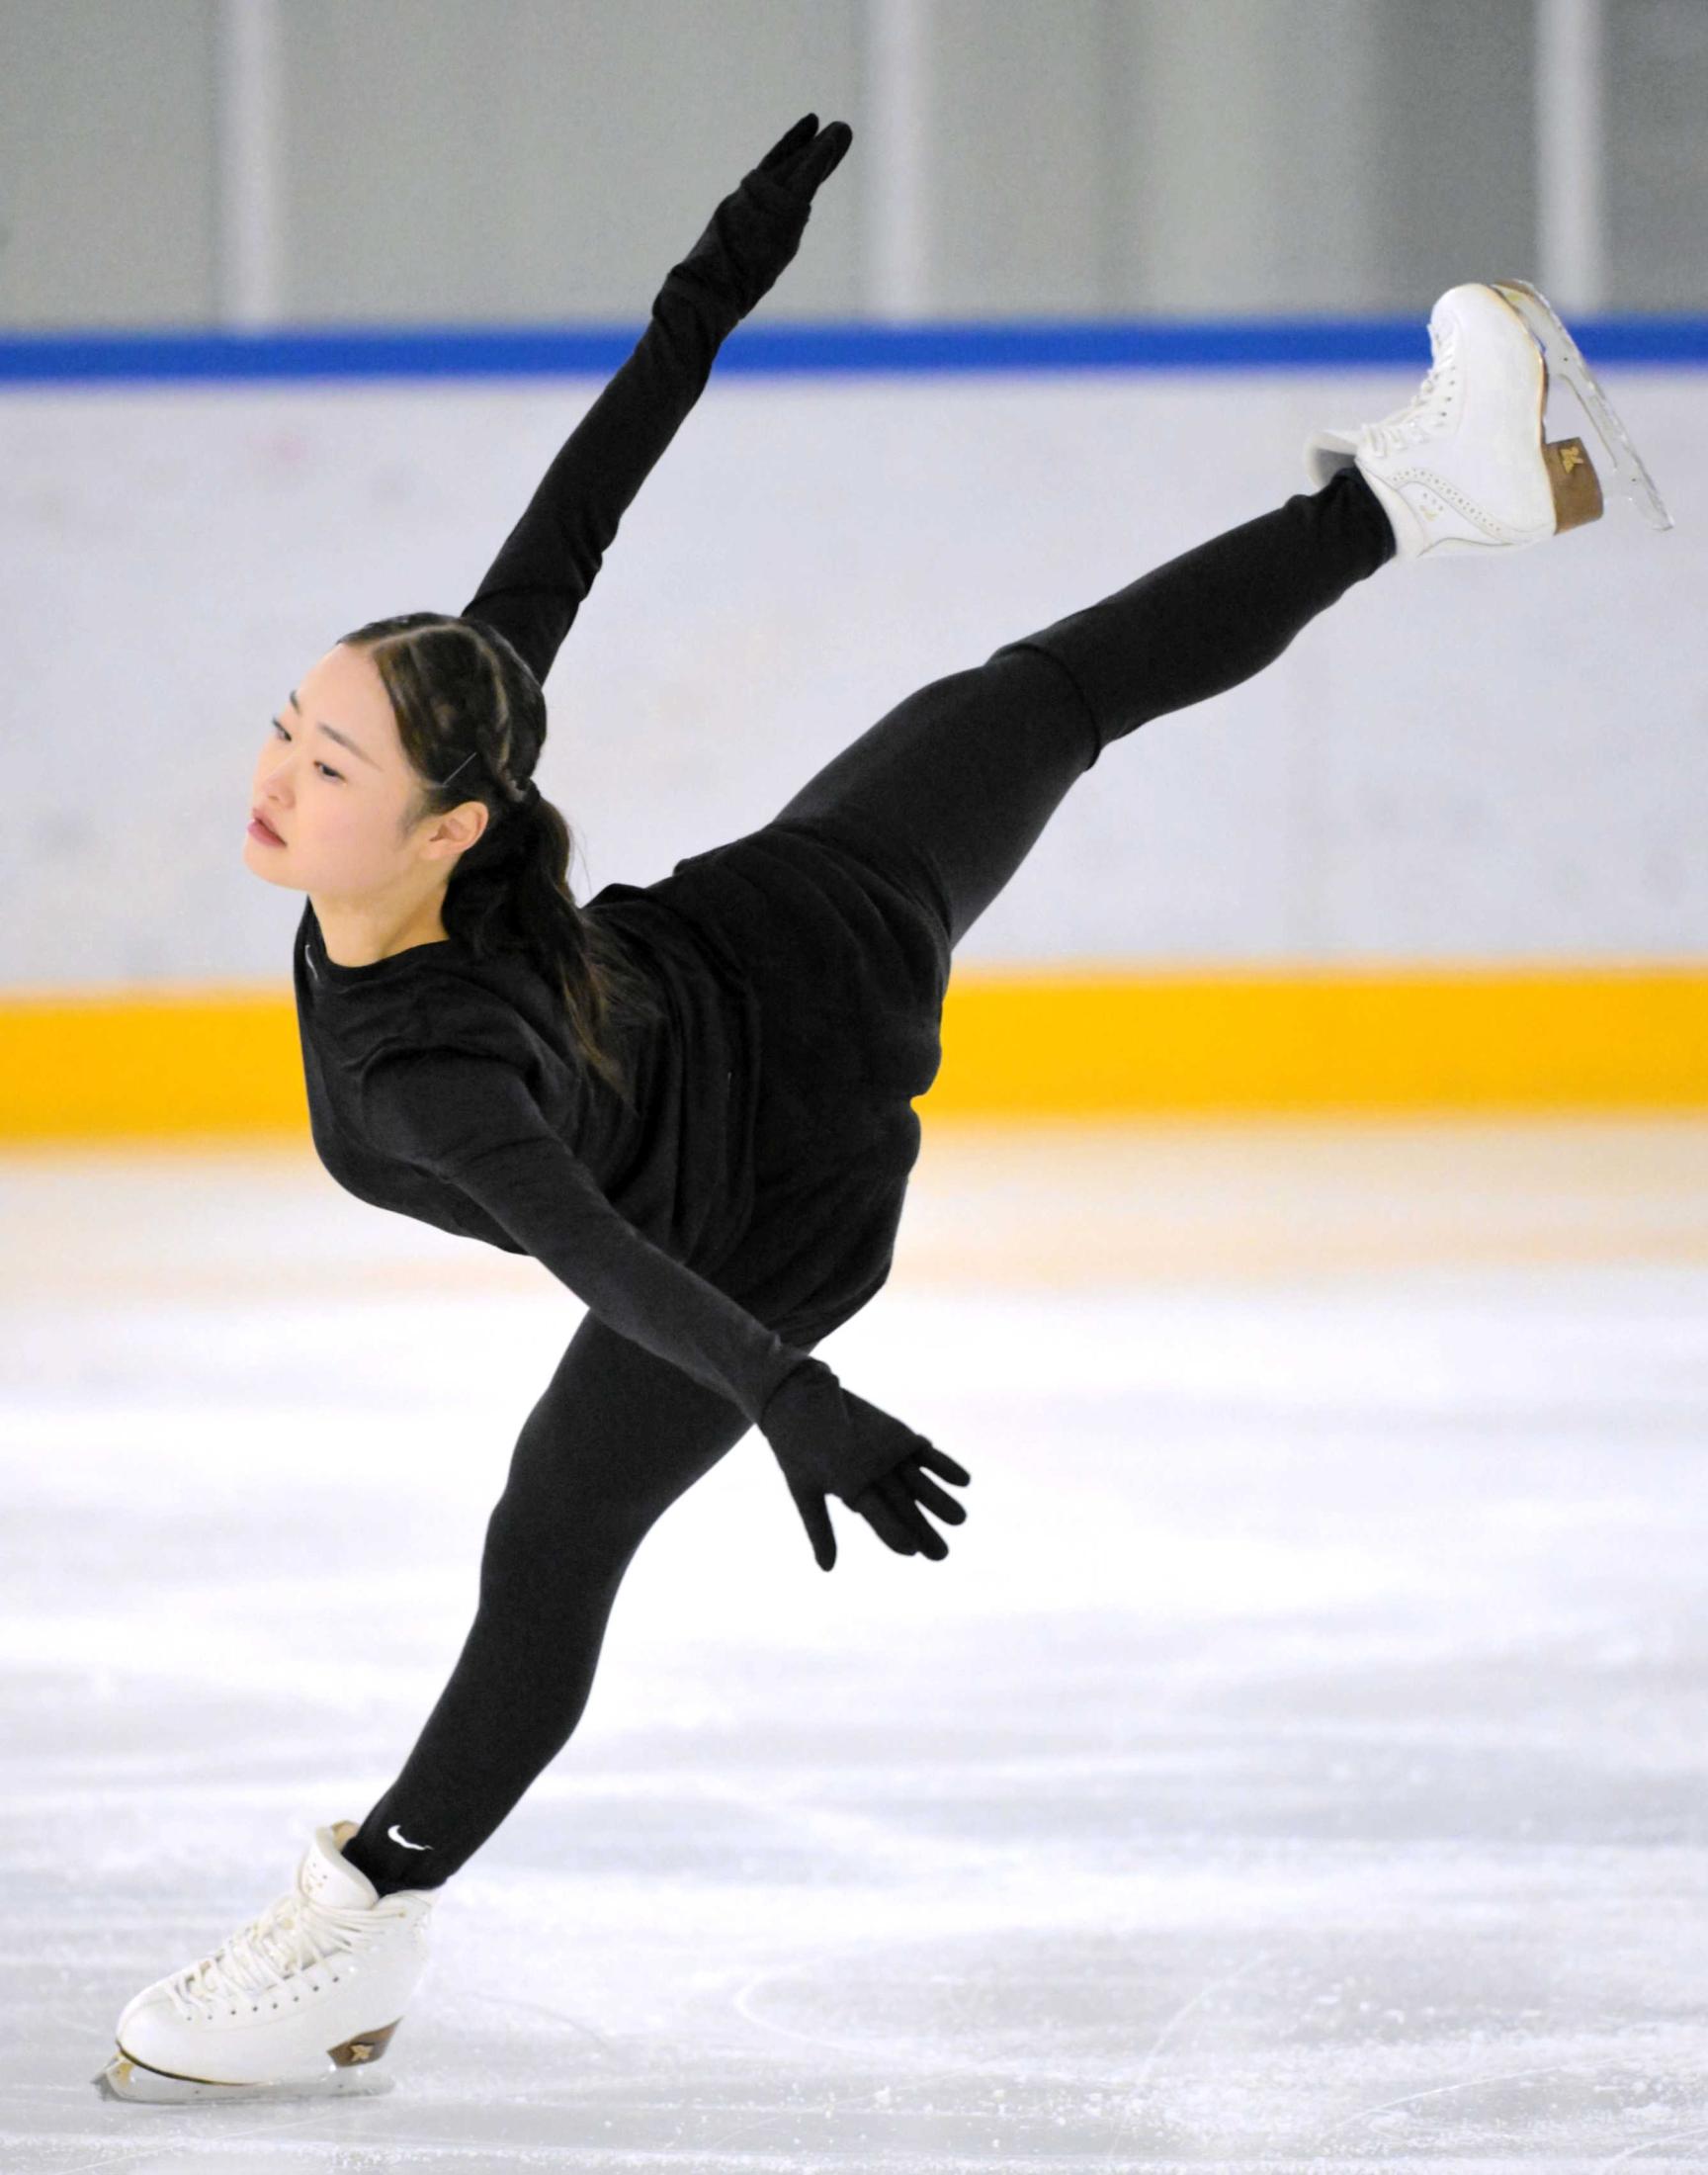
{"x":448,"y":1087}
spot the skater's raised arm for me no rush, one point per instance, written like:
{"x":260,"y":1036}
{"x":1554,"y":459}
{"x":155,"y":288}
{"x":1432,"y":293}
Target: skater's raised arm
{"x":534,"y":586}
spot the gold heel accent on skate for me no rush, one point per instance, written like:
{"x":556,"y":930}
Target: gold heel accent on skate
{"x":1624,"y":469}
{"x":364,"y":2047}
{"x":1576,"y":487}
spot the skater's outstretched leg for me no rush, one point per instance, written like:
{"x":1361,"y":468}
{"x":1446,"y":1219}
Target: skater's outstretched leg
{"x":955,"y":784}
{"x":950,"y":788}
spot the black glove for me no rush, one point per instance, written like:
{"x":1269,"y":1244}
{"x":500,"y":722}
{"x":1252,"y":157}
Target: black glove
{"x":757,"y":230}
{"x":828,"y":1441}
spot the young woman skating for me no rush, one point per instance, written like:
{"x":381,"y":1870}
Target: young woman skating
{"x":691,"y":1101}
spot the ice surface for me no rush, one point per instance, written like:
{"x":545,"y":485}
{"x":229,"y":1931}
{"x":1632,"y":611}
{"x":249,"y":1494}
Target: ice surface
{"x":1298,"y":1762}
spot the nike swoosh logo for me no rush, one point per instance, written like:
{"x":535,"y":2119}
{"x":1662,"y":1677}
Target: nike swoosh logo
{"x":397,"y":1835}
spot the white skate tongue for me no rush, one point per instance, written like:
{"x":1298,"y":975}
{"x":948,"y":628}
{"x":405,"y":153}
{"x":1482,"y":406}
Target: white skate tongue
{"x":328,"y":1877}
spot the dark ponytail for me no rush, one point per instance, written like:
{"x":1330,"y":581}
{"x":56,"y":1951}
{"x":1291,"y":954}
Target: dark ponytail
{"x":471,"y":718}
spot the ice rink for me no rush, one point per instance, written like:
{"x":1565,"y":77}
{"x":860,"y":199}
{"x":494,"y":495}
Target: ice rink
{"x":1298,"y":1762}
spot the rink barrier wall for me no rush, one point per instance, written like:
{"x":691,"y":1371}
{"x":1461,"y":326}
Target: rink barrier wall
{"x":1072,"y":1041}
{"x":169,"y":1059}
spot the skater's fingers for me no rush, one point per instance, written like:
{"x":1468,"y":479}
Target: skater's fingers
{"x":788,"y":144}
{"x":941,"y":1462}
{"x":899,"y":1496}
{"x":816,"y":1516}
{"x":931,"y":1496}
{"x":875,"y":1507}
{"x":824,"y":157}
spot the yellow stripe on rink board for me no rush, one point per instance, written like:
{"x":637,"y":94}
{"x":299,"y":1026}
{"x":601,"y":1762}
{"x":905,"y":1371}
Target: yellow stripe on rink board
{"x":1288,"y":1039}
{"x":175,"y":1062}
{"x":1072,"y":1041}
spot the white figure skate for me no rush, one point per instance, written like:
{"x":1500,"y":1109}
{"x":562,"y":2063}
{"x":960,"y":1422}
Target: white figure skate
{"x":299,"y":2003}
{"x":1467,"y":464}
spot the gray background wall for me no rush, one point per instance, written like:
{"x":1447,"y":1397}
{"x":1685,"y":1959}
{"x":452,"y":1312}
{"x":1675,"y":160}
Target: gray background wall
{"x":476,"y":159}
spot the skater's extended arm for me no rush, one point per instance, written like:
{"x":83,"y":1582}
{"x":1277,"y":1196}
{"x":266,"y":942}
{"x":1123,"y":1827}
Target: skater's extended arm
{"x":534,"y":586}
{"x":471,"y":1121}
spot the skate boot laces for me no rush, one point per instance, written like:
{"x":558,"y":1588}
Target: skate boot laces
{"x":1429,"y":404}
{"x":292,"y":1934}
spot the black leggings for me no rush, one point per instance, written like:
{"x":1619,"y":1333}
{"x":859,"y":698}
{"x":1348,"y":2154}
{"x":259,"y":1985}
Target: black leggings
{"x":955,"y":783}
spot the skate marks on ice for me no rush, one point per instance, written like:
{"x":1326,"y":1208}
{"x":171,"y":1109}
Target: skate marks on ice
{"x":1171,"y":2056}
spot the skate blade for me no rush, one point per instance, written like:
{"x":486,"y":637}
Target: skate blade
{"x":126,"y":2079}
{"x":1562,"y":354}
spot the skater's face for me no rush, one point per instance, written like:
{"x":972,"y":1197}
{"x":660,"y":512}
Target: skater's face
{"x":339,"y":799}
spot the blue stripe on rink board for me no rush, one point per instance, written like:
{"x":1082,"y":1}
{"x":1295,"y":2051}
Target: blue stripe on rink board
{"x":795,"y":349}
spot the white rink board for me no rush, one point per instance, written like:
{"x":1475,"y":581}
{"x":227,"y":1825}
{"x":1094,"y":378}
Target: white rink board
{"x":1462,"y":760}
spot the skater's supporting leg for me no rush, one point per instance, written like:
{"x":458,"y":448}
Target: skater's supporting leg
{"x":618,"y":1436}
{"x":956,"y":782}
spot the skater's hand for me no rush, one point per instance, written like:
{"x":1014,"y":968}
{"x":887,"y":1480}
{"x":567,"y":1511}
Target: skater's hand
{"x":757,"y":230}
{"x":828,"y":1441}
{"x":801,"y":158}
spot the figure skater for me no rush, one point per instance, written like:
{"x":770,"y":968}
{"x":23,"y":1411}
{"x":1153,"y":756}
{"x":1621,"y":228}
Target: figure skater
{"x":691,"y":1101}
